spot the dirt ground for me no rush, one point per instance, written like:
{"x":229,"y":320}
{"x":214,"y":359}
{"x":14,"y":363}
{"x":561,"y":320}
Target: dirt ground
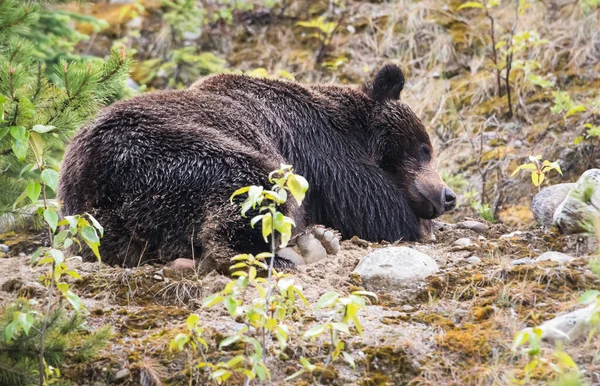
{"x":455,"y":327}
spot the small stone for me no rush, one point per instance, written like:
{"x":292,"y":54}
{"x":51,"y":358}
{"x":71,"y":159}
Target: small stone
{"x":475,"y":226}
{"x":544,"y":203}
{"x":122,"y":375}
{"x":21,"y":254}
{"x":4,"y":248}
{"x":559,"y":257}
{"x":567,"y":326}
{"x":442,"y":226}
{"x":474,"y":260}
{"x":463,"y":242}
{"x":394,"y":267}
{"x":407,"y":308}
{"x":523,"y":261}
{"x":481,"y":238}
{"x":157,"y":277}
{"x":577,"y":212}
{"x":517,"y":144}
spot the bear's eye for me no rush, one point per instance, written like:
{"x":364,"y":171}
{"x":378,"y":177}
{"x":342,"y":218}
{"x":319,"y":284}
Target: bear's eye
{"x":426,"y":153}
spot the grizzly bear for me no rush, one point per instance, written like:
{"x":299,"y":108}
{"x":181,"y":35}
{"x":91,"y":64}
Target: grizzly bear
{"x":157,"y":170}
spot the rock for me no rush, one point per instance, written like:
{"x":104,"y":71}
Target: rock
{"x":523,"y":261}
{"x":577,"y":212}
{"x":121,"y":375}
{"x":394,"y":267}
{"x":559,"y":257}
{"x":475,"y":226}
{"x":4,"y":248}
{"x":441,"y":226}
{"x":474,"y":260}
{"x":463,"y":242}
{"x":544,"y":203}
{"x":567,"y":326}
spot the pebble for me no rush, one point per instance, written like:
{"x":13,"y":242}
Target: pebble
{"x":122,"y":374}
{"x":474,"y":260}
{"x":463,"y":242}
{"x":475,"y":226}
{"x":559,"y":257}
{"x":4,"y":248}
{"x":523,"y":261}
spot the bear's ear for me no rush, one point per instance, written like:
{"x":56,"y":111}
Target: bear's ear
{"x":387,"y":84}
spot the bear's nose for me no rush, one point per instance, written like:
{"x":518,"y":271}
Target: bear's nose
{"x":449,"y":199}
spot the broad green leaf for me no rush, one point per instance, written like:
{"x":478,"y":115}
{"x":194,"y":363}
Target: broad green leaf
{"x":37,"y":145}
{"x":74,"y":300}
{"x":192,"y":321}
{"x":536,"y":178}
{"x":575,"y":110}
{"x":50,"y":178}
{"x":266,"y":226}
{"x":327,"y":300}
{"x":20,"y":148}
{"x":471,"y":4}
{"x":211,"y":300}
{"x":57,"y":255}
{"x":51,"y":218}
{"x":96,"y":224}
{"x":314,"y":332}
{"x":179,"y":342}
{"x":36,"y":255}
{"x":4,"y":131}
{"x":229,"y":340}
{"x":19,"y":133}
{"x":589,"y":296}
{"x":231,"y":305}
{"x":298,"y":187}
{"x":565,"y":359}
{"x":342,"y":327}
{"x":89,"y":235}
{"x":33,"y":191}
{"x":238,"y":192}
{"x":578,"y":140}
{"x":62,"y":287}
{"x":43,"y":129}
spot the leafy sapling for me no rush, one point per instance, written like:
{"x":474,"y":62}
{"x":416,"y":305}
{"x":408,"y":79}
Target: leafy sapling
{"x":539,"y":170}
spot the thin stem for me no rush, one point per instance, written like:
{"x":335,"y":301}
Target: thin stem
{"x":199,"y":345}
{"x":330,"y":356}
{"x":270,"y":273}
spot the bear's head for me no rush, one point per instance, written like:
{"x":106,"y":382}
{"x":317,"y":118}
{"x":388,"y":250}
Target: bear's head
{"x":401,"y":146}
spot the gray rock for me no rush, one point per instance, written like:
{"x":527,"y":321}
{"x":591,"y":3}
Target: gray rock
{"x":394,"y":267}
{"x":122,"y":375}
{"x":577,"y":212}
{"x":567,"y":326}
{"x":475,"y":226}
{"x":544,"y":203}
{"x":4,"y":248}
{"x":474,"y":260}
{"x":463,"y":242}
{"x":523,"y":261}
{"x":559,"y":257}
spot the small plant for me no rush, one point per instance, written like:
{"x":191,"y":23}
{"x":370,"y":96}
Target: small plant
{"x":563,"y":104}
{"x":267,"y":314}
{"x":483,"y":210}
{"x":539,"y":170}
{"x":345,"y":316}
{"x":561,"y":362}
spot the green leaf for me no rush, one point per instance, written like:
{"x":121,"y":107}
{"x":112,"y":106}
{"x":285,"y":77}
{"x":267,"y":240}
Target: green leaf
{"x":327,"y":300}
{"x":238,"y":192}
{"x":50,"y":178}
{"x":19,"y":133}
{"x":314,"y":332}
{"x":575,"y":110}
{"x":74,"y":300}
{"x":43,"y":129}
{"x":230,"y":304}
{"x":33,"y":191}
{"x":229,"y":341}
{"x":295,"y":375}
{"x":298,"y":187}
{"x":192,"y":321}
{"x":89,"y":235}
{"x":578,"y":140}
{"x":4,"y":131}
{"x":36,"y":255}
{"x":471,"y":4}
{"x":342,"y":327}
{"x":565,"y":359}
{"x":20,"y":148}
{"x":266,"y":226}
{"x":96,"y":224}
{"x":51,"y":218}
{"x":179,"y":342}
{"x":57,"y":255}
{"x":589,"y":296}
{"x":348,"y":358}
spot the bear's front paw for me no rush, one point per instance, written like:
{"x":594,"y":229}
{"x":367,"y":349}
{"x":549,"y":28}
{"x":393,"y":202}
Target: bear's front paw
{"x":311,"y":246}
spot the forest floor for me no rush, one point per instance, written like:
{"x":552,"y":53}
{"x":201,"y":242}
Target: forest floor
{"x":457,"y":326}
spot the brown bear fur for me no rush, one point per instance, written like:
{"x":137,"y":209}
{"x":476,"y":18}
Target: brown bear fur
{"x":157,"y":170}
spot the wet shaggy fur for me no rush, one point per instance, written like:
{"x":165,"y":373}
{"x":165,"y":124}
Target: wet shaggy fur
{"x":157,"y":170}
